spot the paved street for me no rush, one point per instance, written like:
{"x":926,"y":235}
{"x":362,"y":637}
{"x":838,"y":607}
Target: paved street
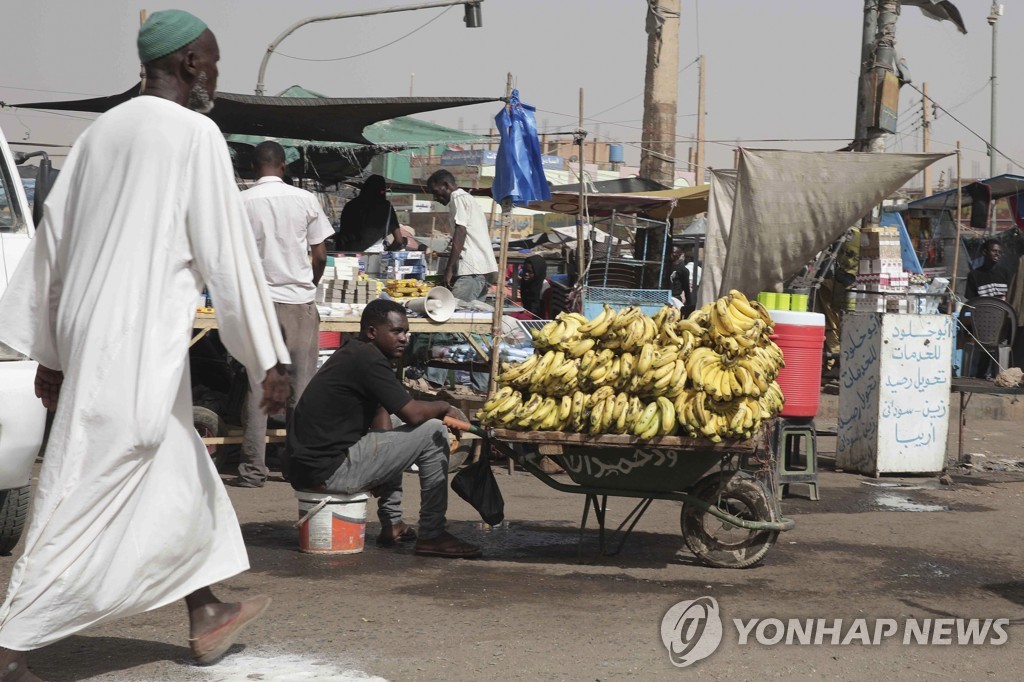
{"x":529,"y":611}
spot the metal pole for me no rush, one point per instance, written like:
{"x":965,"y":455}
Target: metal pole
{"x":959,"y":208}
{"x":926,"y":138}
{"x":580,"y":248}
{"x":348,"y":15}
{"x":499,"y":299}
{"x":698,"y":178}
{"x":993,"y":20}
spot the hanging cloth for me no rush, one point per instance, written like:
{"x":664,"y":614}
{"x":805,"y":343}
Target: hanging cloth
{"x":519,"y":168}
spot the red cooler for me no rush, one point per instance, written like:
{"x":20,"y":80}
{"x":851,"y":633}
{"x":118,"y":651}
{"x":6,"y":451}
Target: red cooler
{"x":801,"y":336}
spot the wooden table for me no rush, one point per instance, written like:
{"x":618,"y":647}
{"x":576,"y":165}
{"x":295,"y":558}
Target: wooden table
{"x":967,"y":387}
{"x":480,"y":323}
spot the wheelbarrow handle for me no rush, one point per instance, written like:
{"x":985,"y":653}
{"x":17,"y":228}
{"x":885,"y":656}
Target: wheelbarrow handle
{"x":463,"y":426}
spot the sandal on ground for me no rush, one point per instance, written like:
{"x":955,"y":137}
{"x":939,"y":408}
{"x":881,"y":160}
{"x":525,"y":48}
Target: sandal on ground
{"x":211,"y":645}
{"x":448,"y":546}
{"x":399,"y":532}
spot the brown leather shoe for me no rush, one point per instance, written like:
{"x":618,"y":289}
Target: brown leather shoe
{"x":400,"y":532}
{"x":213,"y":644}
{"x":448,"y":546}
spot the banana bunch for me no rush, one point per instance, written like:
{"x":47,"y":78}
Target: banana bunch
{"x":709,"y":375}
{"x":551,"y":373}
{"x":737,"y":325}
{"x":702,"y":417}
{"x":563,"y":333}
{"x":499,"y":410}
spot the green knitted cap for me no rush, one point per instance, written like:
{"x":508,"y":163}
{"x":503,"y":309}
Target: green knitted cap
{"x":166,"y":32}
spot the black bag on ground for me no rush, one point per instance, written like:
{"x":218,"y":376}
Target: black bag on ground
{"x":476,"y":484}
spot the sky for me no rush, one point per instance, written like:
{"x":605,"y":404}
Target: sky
{"x":780,"y":73}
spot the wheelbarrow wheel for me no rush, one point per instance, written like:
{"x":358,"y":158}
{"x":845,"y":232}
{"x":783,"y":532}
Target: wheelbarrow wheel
{"x":209,"y":425}
{"x":721,"y":544}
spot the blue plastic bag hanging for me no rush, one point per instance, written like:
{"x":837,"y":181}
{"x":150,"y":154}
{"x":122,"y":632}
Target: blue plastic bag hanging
{"x":519,"y":169}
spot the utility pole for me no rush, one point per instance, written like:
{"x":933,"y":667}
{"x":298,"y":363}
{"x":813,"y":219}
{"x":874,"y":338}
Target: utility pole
{"x":657,"y":157}
{"x":661,"y":91}
{"x":878,"y":87}
{"x":993,"y":19}
{"x":926,"y":137}
{"x":701,"y":133}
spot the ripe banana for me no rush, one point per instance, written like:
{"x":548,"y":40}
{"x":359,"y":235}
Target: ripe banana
{"x":668,"y":416}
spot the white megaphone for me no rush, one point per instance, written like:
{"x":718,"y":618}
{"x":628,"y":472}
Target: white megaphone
{"x":438,"y":305}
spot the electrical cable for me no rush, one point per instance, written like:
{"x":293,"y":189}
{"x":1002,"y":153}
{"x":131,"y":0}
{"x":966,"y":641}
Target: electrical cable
{"x":376,"y":49}
{"x":58,"y":92}
{"x":626,"y":101}
{"x":969,"y":129}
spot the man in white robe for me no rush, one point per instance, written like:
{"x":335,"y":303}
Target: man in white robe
{"x":129,"y":513}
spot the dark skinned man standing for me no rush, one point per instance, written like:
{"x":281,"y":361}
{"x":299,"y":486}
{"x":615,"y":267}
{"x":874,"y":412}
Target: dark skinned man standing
{"x":471,"y":267}
{"x":129,"y":514}
{"x":341,"y":437}
{"x":290,"y":228}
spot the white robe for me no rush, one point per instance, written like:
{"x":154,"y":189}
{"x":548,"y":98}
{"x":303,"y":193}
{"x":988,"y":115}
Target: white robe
{"x":129,"y":513}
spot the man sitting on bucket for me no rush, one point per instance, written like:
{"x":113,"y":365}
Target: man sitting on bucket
{"x":341,"y":440}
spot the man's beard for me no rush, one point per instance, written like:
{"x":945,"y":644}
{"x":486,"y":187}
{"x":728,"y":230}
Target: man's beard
{"x":199,"y":100}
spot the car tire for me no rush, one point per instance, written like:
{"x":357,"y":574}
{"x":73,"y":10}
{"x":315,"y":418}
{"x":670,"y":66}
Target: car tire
{"x":13,"y":515}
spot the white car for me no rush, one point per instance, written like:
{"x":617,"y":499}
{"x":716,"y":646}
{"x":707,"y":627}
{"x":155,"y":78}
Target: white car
{"x":22,"y":416}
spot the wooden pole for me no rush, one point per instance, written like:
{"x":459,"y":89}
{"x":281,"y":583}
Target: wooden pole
{"x":959,"y":208}
{"x":580,"y":243}
{"x":926,"y":137}
{"x":499,"y":299}
{"x":701,"y":86}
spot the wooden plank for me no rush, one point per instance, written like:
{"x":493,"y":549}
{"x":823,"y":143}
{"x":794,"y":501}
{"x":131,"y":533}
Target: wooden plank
{"x":623,"y":441}
{"x":479,"y":324}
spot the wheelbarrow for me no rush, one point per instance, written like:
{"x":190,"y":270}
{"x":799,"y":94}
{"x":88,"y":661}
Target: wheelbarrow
{"x":729,"y":519}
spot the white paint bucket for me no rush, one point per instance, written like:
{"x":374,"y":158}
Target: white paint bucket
{"x":331,"y":523}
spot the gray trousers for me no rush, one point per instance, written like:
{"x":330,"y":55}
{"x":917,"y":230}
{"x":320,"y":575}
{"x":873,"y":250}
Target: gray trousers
{"x":301,"y":325}
{"x":470,"y":287}
{"x":378,"y":460}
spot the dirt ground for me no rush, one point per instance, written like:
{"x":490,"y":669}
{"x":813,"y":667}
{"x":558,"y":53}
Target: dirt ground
{"x":530,"y":610}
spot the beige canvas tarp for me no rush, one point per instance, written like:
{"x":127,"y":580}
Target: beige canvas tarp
{"x":790,"y":205}
{"x":716,"y":239}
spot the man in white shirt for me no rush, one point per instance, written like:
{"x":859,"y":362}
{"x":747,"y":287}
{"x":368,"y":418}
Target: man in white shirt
{"x":289,"y":224}
{"x":471,"y":265}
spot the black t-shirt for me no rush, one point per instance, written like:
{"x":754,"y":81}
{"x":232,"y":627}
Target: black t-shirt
{"x":336,"y":410}
{"x":987,"y":281}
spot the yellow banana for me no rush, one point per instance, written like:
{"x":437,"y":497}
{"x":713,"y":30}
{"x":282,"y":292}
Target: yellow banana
{"x":559,"y":332}
{"x":621,"y":403}
{"x":564,"y":409}
{"x":607,"y":423}
{"x":679,"y":375}
{"x":689,"y":325}
{"x":513,"y":372}
{"x":668,"y":416}
{"x":587,"y":361}
{"x":580,"y":348}
{"x":597,"y":417}
{"x":645,"y":359}
{"x":742,"y":306}
{"x":601,"y":319}
{"x":653,"y":430}
{"x":646,"y":418}
{"x":665,"y":356}
{"x":502,"y":393}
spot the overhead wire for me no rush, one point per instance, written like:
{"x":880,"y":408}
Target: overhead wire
{"x":376,"y":49}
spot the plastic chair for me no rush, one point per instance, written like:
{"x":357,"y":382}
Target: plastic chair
{"x":994,"y":327}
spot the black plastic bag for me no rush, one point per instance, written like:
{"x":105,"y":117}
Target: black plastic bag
{"x":476,"y":484}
